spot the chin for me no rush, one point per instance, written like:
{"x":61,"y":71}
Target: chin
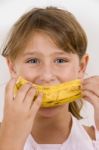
{"x":50,"y":112}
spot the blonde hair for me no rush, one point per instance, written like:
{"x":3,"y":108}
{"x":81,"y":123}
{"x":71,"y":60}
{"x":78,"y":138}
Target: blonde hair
{"x":60,"y":25}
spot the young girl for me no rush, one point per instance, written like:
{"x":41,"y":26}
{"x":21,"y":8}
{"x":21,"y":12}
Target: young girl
{"x":47,"y":47}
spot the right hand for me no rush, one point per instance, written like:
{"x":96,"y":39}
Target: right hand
{"x":19,"y":113}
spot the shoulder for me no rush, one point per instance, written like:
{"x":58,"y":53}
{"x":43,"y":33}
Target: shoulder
{"x":90,"y":131}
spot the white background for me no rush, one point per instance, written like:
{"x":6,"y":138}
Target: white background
{"x":87,"y":13}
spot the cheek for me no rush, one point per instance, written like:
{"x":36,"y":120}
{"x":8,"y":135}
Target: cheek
{"x":28,"y":75}
{"x":26,"y":72}
{"x":70,"y":73}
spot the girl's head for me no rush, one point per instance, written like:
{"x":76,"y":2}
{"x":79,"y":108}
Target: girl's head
{"x":47,"y":47}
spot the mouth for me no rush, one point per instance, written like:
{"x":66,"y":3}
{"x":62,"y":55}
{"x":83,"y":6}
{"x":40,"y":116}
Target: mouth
{"x":57,"y":94}
{"x":48,"y":85}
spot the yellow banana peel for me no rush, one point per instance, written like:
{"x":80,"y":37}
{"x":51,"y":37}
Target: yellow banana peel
{"x":57,"y":94}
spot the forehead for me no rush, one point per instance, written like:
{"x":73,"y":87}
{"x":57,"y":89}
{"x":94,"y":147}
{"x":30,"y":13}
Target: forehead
{"x":42,"y":43}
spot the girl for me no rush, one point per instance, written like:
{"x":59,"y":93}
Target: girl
{"x":47,"y":47}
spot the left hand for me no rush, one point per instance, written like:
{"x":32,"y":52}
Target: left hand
{"x":90,"y":88}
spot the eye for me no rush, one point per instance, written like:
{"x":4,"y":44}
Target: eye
{"x":33,"y":61}
{"x":61,"y":60}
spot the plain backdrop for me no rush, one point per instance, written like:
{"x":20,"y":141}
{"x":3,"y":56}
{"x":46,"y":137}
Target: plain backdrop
{"x":87,"y":13}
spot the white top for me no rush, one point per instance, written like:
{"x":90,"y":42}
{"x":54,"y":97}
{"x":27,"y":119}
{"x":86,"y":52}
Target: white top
{"x":77,"y":140}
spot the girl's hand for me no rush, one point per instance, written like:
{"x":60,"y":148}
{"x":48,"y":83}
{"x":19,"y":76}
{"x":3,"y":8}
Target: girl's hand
{"x":19,"y":113}
{"x":91,"y":94}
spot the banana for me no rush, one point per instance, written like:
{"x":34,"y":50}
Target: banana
{"x":56,"y":94}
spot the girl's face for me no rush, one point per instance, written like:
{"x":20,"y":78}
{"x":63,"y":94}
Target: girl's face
{"x":42,"y":62}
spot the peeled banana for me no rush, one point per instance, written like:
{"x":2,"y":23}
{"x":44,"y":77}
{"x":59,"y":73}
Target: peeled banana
{"x":57,"y":94}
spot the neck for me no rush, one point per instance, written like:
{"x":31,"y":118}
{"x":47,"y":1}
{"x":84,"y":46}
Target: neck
{"x":56,"y":128}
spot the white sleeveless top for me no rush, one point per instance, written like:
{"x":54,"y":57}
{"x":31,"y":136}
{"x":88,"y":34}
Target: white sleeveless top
{"x":77,"y":140}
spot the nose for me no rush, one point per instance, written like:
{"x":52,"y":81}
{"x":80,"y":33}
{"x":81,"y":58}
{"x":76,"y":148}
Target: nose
{"x":47,"y":76}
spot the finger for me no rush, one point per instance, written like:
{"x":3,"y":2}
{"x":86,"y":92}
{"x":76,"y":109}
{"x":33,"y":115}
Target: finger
{"x":30,"y":97}
{"x":90,"y":97}
{"x":91,"y":79}
{"x":21,"y":94}
{"x":9,"y":90}
{"x":36,"y":105}
{"x":94,"y":88}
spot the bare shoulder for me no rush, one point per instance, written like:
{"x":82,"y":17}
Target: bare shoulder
{"x":90,"y":131}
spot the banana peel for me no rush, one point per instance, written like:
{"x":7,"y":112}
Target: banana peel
{"x":55,"y":95}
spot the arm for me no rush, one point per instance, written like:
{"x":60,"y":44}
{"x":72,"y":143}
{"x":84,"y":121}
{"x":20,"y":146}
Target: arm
{"x":91,"y":94}
{"x":19,"y":115}
{"x":7,"y":143}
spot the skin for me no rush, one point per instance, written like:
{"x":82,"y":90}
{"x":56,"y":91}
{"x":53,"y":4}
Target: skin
{"x":51,"y":66}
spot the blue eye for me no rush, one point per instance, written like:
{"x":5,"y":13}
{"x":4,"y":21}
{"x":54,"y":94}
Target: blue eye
{"x":60,"y":60}
{"x":33,"y":61}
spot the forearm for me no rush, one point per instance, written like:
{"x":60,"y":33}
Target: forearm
{"x":8,"y":142}
{"x":6,"y":146}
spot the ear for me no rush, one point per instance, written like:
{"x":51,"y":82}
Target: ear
{"x":83,"y":65}
{"x":11,"y":67}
